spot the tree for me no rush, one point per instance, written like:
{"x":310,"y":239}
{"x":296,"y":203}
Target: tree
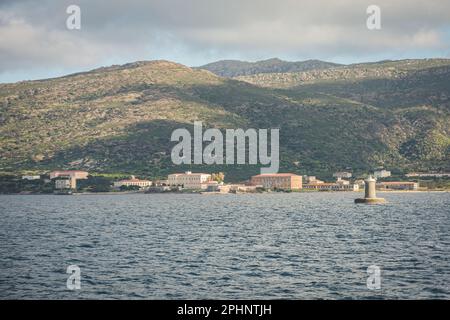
{"x":219,"y":177}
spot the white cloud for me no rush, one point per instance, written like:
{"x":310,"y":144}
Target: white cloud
{"x":33,"y":35}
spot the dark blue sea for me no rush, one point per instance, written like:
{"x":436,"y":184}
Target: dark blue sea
{"x":262,"y":246}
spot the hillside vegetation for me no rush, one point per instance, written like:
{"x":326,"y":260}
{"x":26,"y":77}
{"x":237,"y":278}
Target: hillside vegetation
{"x":120,"y":118}
{"x":234,"y":68}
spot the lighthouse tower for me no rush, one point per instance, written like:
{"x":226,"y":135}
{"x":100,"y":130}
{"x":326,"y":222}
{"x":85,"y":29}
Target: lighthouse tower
{"x":370,"y":196}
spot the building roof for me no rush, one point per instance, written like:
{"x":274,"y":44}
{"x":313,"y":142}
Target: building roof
{"x":134,"y":180}
{"x":397,"y":182}
{"x":189,"y":174}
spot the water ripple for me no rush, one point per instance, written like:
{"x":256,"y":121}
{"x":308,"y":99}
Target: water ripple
{"x":294,"y":246}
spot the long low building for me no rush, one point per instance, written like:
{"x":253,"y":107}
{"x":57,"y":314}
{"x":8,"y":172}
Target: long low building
{"x":339,"y":185}
{"x":331,"y":186}
{"x":133,"y":182}
{"x":397,"y":185}
{"x":31,"y":178}
{"x":285,"y":181}
{"x":430,"y":174}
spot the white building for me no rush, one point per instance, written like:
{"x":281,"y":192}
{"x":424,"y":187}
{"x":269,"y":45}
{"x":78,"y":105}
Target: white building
{"x":311,"y":179}
{"x":62,"y":184}
{"x":342,"y":174}
{"x":431,"y":175}
{"x":133,"y":181}
{"x":189,"y":180}
{"x":342,"y":182}
{"x":31,"y":177}
{"x":381,"y":174}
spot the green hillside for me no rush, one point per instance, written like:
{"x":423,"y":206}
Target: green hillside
{"x":120,"y":118}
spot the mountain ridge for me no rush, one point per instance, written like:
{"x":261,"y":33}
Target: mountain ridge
{"x":234,"y":68}
{"x":120,"y":118}
{"x":384,"y":69}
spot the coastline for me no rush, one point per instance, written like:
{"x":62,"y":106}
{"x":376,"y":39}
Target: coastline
{"x":221,"y":193}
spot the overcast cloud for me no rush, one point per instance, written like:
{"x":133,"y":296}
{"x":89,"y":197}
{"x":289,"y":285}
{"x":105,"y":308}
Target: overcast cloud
{"x":35,"y":43}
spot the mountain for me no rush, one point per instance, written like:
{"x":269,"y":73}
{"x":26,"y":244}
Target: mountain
{"x":120,"y":118}
{"x":235,"y":68}
{"x":388,"y":70}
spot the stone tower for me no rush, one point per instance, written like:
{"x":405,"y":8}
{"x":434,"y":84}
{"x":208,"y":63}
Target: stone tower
{"x":370,"y":196}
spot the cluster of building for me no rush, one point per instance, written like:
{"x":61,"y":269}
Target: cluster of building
{"x":67,"y":180}
{"x":278,"y":181}
{"x":208,"y":183}
{"x":64,"y":179}
{"x":312,"y":183}
{"x":284,"y":181}
{"x":204,"y":182}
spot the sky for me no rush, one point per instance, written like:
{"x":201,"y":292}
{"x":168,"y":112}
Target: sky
{"x":35,"y":42}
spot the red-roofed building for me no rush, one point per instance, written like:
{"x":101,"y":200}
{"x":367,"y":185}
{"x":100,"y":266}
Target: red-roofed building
{"x":287,"y":181}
